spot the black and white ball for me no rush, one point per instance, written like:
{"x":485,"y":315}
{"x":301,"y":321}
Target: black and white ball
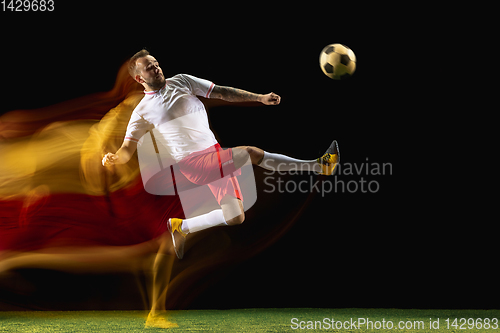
{"x":337,"y":61}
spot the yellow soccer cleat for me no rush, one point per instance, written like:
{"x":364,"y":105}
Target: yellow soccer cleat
{"x":330,"y":160}
{"x":178,"y":237}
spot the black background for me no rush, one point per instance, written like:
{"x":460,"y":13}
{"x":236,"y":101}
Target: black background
{"x":404,"y":246}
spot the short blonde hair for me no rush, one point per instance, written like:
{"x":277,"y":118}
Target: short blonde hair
{"x":132,"y":63}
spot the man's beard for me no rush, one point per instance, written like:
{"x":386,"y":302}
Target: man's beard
{"x":156,"y":84}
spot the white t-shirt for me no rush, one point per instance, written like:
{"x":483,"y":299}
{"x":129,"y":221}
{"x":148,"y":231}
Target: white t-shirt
{"x":177,"y":114}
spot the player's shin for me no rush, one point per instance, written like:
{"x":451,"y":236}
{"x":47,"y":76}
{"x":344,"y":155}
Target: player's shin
{"x":202,"y":222}
{"x":282,"y":163}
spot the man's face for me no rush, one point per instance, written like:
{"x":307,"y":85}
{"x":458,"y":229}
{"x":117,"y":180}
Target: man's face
{"x":150,"y":72}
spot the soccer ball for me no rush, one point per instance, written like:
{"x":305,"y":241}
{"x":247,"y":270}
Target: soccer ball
{"x":337,"y":61}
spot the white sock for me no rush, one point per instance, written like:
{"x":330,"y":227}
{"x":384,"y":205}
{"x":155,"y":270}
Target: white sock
{"x":278,"y":162}
{"x":202,"y":222}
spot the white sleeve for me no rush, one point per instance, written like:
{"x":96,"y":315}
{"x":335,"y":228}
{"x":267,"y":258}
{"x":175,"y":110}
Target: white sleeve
{"x":197,"y":86}
{"x":137,"y":127}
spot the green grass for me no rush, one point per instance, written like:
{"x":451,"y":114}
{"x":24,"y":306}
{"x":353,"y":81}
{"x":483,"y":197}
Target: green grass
{"x":240,"y":320}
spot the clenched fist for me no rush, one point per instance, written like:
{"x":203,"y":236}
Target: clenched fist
{"x":271,"y":99}
{"x":109,"y":159}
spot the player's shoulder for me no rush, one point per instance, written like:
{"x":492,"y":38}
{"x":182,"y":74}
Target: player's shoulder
{"x":184,"y":78}
{"x":179,"y":78}
{"x":187,"y":81}
{"x":182,"y":81}
{"x":142,"y":105}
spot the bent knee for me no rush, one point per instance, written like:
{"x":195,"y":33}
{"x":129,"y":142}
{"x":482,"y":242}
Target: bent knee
{"x":236,"y":220}
{"x":256,"y":154}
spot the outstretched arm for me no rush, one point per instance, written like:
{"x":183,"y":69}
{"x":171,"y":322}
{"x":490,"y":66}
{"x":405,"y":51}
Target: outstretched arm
{"x":237,"y":95}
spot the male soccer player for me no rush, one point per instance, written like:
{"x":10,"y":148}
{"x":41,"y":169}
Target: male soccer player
{"x":172,"y":108}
